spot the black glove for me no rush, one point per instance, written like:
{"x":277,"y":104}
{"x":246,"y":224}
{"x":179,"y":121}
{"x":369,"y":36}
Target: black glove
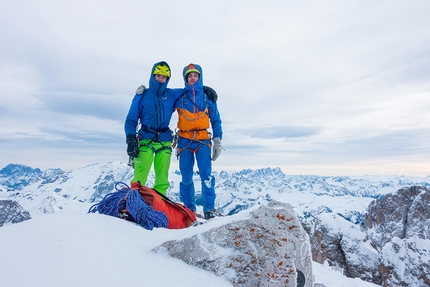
{"x":210,"y":93}
{"x":132,"y":146}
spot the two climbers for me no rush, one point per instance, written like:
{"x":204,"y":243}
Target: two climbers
{"x":149,"y":138}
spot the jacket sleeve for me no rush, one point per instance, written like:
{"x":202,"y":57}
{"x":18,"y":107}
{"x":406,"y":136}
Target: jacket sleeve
{"x":215,"y":120}
{"x":177,"y":93}
{"x":132,"y":119}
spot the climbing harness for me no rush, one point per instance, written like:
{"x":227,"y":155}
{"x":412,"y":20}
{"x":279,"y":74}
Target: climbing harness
{"x":155,"y":139}
{"x":193,"y":150}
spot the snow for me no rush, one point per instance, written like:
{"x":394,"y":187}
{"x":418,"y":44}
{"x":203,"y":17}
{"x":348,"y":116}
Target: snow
{"x":345,"y":205}
{"x":78,"y":249}
{"x":330,"y":277}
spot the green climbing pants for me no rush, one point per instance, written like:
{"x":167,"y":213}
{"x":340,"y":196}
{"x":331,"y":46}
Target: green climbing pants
{"x":159,"y":153}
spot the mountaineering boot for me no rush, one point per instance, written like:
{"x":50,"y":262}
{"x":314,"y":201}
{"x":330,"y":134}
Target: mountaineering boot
{"x":210,"y":214}
{"x":198,"y":215}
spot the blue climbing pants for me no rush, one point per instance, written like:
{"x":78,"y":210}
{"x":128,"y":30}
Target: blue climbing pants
{"x":189,"y":152}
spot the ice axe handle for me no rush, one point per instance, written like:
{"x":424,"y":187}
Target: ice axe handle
{"x":130,"y":162}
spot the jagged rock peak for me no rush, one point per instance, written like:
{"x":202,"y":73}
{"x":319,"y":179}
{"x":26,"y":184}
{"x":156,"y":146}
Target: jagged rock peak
{"x":262,"y":172}
{"x":403,"y":214}
{"x":342,"y":245}
{"x":17,"y":176}
{"x":405,"y":262}
{"x":19,"y":169}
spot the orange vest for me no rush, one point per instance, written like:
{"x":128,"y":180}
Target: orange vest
{"x":193,"y":126}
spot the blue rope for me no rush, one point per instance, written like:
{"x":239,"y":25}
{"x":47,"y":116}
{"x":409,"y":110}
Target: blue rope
{"x":142,"y":212}
{"x":112,"y":203}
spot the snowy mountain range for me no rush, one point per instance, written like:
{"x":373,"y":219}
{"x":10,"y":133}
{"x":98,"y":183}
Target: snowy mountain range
{"x":335,"y":206}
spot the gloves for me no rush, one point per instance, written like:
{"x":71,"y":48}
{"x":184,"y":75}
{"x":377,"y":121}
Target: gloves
{"x":132,"y":146}
{"x":210,"y":93}
{"x":216,"y":150}
{"x":140,"y":90}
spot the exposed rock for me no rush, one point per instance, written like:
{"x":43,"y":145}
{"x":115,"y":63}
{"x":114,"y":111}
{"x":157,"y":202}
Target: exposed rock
{"x":403,"y":214}
{"x":394,"y":222}
{"x":398,"y":225}
{"x":342,"y":244}
{"x":406,"y":262}
{"x":12,"y":212}
{"x":268,"y":249}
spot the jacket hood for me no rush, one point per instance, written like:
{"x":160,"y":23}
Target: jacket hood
{"x":155,"y":86}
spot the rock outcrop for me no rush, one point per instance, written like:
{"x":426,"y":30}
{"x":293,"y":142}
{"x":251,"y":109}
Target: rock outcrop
{"x":392,"y":247}
{"x":12,"y":212}
{"x":269,"y":249}
{"x":398,"y":225}
{"x":344,"y":245}
{"x":405,"y":262}
{"x":403,"y":214}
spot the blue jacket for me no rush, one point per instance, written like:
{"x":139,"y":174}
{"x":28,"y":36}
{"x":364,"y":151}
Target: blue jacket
{"x":153,"y":110}
{"x":195,"y":111}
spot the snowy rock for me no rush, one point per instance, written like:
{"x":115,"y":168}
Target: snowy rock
{"x":406,"y":262}
{"x":398,"y":225}
{"x":342,"y":244}
{"x":16,"y":176}
{"x":268,"y":249}
{"x":384,"y":250}
{"x":12,"y":212}
{"x":403,"y":214}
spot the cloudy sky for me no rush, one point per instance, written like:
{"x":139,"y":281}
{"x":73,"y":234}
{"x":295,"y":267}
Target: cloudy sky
{"x":314,"y":87}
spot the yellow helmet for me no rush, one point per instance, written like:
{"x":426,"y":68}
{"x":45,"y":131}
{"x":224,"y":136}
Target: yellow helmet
{"x":162,"y":69}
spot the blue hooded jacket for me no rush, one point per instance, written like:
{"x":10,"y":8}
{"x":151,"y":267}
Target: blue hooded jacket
{"x":153,"y":110}
{"x":195,"y":100}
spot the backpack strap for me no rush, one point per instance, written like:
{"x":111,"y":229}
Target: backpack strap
{"x":206,"y":97}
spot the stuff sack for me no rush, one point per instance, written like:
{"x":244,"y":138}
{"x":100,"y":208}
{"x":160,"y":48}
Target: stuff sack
{"x":178,"y":215}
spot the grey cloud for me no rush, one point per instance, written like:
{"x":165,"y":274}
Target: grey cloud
{"x":97,"y":105}
{"x":280,"y":132}
{"x":391,"y":144}
{"x":286,"y":94}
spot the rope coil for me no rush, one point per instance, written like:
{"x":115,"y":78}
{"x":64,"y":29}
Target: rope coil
{"x":115,"y":203}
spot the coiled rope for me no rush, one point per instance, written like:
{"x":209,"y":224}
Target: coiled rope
{"x":114,"y":203}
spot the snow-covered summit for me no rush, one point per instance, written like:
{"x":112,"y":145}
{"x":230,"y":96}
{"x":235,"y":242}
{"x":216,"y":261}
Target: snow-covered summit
{"x":332,"y":208}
